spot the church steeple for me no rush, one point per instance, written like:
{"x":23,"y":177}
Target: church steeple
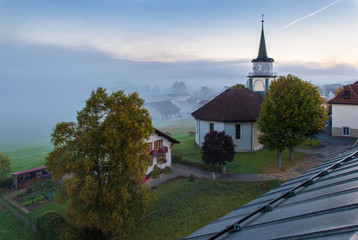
{"x":260,"y":79}
{"x":262,"y":56}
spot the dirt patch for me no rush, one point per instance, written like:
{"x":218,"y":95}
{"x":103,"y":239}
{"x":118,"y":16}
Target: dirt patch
{"x":301,"y":166}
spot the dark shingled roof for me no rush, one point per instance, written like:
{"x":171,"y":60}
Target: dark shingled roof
{"x":233,"y":105}
{"x":319,"y":204}
{"x":164,"y":107}
{"x":353,"y":98}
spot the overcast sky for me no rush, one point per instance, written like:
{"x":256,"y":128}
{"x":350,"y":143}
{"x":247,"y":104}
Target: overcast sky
{"x":53,"y":53}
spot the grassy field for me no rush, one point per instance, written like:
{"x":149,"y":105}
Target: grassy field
{"x":12,"y":228}
{"x":185,"y":217}
{"x":28,"y":157}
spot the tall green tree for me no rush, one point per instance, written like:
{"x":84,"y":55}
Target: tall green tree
{"x":5,"y":166}
{"x":292,"y":111}
{"x":104,"y":153}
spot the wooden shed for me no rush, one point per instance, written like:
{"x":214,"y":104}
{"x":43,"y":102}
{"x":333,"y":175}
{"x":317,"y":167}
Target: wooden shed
{"x":30,"y":176}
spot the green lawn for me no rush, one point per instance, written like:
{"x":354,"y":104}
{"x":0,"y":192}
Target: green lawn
{"x":28,"y":157}
{"x":12,"y":228}
{"x":263,"y":161}
{"x":215,"y":200}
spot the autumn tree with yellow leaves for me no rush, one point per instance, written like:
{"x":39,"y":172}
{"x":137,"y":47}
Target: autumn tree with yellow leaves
{"x":104,"y":156}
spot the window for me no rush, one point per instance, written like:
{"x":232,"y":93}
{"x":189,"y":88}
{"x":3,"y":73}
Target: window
{"x":162,"y":158}
{"x":158,"y":144}
{"x":211,"y":126}
{"x":238,"y":131}
{"x":347,"y":94}
{"x":346,"y":131}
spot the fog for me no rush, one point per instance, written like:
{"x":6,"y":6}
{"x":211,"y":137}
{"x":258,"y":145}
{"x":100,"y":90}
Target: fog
{"x":41,"y":86}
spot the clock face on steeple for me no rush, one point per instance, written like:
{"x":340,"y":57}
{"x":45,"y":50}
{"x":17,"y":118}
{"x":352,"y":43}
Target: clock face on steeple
{"x":258,"y":67}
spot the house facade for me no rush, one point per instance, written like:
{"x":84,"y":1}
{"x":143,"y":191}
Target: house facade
{"x":159,"y":147}
{"x":345,"y":112}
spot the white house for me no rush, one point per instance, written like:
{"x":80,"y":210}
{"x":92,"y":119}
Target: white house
{"x":345,"y":112}
{"x":159,"y":147}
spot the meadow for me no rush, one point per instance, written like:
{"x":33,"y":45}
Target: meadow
{"x":214,"y":200}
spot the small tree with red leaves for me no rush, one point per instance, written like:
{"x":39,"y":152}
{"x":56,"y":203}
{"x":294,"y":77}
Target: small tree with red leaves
{"x":218,"y":148}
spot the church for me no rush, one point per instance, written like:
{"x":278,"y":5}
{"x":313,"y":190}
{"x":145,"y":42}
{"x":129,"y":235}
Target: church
{"x":236,"y":110}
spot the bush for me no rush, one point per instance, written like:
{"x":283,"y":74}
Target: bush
{"x":168,"y":170}
{"x":156,"y":172}
{"x":201,"y":165}
{"x":6,"y":183}
{"x":191,"y":178}
{"x":52,"y":225}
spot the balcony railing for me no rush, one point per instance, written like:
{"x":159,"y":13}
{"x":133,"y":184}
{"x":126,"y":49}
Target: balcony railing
{"x":159,"y":151}
{"x":264,"y":74}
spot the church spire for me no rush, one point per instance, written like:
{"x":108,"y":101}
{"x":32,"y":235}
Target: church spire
{"x":262,"y":56}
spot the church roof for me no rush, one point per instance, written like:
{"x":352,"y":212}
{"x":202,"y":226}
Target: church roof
{"x":232,"y":105}
{"x":349,"y":95}
{"x":262,"y":56}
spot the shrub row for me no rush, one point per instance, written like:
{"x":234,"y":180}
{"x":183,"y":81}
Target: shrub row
{"x":210,"y":168}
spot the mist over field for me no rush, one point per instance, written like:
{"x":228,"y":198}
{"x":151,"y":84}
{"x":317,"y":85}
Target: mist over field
{"x":41,"y":86}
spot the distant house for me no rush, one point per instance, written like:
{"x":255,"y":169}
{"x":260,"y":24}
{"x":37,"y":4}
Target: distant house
{"x":345,"y":112}
{"x":234,"y":111}
{"x":203,"y":102}
{"x":162,"y":110}
{"x":159,"y":147}
{"x":179,"y":98}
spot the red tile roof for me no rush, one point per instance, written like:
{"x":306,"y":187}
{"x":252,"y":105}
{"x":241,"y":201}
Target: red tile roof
{"x":233,"y":105}
{"x":353,"y":99}
{"x":28,"y":170}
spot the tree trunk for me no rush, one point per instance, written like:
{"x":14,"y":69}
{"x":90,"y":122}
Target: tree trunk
{"x":279,"y":154}
{"x":291,"y":153}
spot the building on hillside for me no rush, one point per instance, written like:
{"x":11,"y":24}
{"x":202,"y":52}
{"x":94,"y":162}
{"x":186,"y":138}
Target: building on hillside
{"x":345,"y":112}
{"x":163,"y":110}
{"x":235,"y":111}
{"x":159,"y":147}
{"x":319,"y":204}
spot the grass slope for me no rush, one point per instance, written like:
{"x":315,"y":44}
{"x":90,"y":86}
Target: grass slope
{"x":12,"y":228}
{"x":214,"y":201}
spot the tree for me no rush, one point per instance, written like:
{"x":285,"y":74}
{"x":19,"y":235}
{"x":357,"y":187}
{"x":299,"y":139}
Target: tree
{"x":290,"y":113}
{"x":5,"y":166}
{"x":239,"y":85}
{"x":104,"y":152}
{"x":218,"y":148}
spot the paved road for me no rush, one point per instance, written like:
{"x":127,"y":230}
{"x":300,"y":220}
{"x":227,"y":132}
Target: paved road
{"x":328,"y":148}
